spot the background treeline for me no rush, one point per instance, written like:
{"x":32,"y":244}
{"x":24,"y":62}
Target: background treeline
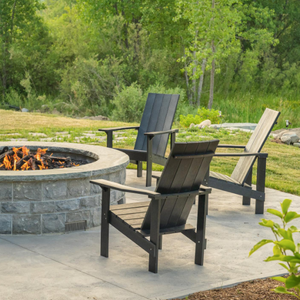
{"x":91,"y":57}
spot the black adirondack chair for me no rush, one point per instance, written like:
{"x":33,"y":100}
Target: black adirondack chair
{"x":153,"y":133}
{"x":170,"y":204}
{"x":240,"y":181}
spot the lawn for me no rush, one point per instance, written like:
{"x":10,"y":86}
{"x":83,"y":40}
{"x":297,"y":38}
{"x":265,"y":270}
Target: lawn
{"x":283,"y":172}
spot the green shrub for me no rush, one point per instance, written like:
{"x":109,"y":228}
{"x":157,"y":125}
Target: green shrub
{"x":285,"y":248}
{"x":129,"y":104}
{"x":202,"y":114}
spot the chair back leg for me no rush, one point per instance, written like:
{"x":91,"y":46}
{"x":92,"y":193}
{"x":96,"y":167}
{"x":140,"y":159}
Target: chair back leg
{"x":247,"y":200}
{"x":104,"y":234}
{"x":260,"y":184}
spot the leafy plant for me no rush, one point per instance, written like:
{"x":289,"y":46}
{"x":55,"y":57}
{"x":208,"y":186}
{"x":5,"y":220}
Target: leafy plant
{"x":202,"y":114}
{"x":285,"y":249}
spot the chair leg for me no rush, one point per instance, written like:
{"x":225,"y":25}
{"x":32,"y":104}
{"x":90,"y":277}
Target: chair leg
{"x":139,"y":168}
{"x":200,"y":234}
{"x":260,"y":184}
{"x":149,"y":161}
{"x":160,"y":242}
{"x":154,"y":235}
{"x":247,"y":200}
{"x":104,"y":235}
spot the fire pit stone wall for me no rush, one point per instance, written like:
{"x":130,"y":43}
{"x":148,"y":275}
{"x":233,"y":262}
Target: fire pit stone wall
{"x":38,"y":202}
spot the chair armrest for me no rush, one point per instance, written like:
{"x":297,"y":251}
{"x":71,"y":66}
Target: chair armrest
{"x":118,"y":128}
{"x":153,"y":133}
{"x":123,"y":188}
{"x":231,"y":146}
{"x":263,"y":155}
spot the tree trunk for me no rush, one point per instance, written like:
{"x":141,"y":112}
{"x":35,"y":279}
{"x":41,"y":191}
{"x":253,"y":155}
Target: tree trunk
{"x":200,"y":86}
{"x":212,"y":73}
{"x":194,"y":80}
{"x":187,"y":80}
{"x":212,"y":79}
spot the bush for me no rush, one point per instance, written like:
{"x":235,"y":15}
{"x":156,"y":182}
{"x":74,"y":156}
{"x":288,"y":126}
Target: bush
{"x":202,"y":114}
{"x":285,"y":249}
{"x":129,"y":104}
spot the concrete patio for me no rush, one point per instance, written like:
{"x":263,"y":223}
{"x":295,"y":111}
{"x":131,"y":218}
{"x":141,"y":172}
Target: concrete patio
{"x":68,"y":266}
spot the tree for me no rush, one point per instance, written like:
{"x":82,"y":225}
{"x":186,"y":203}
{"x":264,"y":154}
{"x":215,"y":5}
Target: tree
{"x":213,"y":28}
{"x":17,"y":18}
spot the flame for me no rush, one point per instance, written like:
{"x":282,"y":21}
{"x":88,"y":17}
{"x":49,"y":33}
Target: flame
{"x":25,"y":166}
{"x":16,"y":160}
{"x":7,"y":163}
{"x":25,"y":151}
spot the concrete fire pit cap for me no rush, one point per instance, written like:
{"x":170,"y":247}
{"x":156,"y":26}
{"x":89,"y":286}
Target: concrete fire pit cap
{"x":104,"y":160}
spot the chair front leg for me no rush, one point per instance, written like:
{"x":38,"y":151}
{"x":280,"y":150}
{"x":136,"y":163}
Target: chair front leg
{"x":247,"y":200}
{"x":139,"y":168}
{"x":149,"y":160}
{"x":109,"y":141}
{"x":104,"y":235}
{"x":201,"y":224}
{"x":260,"y":183}
{"x":154,"y":235}
{"x":172,"y":140}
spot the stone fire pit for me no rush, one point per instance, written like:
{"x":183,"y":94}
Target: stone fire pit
{"x":37,"y":202}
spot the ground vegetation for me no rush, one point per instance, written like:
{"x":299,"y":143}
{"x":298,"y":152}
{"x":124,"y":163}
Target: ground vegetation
{"x":90,"y":57}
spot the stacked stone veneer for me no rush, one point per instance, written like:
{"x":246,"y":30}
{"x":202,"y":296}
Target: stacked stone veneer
{"x":46,"y":204}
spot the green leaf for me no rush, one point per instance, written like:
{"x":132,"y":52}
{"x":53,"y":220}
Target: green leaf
{"x":275,"y":212}
{"x":292,"y":281}
{"x":283,"y":233}
{"x":286,"y":244}
{"x":276,"y":250}
{"x":281,"y":279}
{"x":275,"y":257}
{"x":286,"y":267}
{"x":291,"y":215}
{"x":294,"y":229}
{"x":259,"y":244}
{"x":285,"y":205}
{"x":266,"y":223}
{"x":283,"y":290}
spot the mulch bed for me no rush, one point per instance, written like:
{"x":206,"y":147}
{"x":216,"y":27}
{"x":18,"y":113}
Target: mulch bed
{"x":250,"y":290}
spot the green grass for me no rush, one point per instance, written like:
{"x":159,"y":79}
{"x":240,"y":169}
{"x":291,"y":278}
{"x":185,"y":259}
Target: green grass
{"x":283,"y":172}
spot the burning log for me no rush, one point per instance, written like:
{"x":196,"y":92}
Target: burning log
{"x":21,"y":159}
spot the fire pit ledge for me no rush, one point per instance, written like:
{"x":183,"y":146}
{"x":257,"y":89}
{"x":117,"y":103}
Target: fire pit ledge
{"x":46,"y":201}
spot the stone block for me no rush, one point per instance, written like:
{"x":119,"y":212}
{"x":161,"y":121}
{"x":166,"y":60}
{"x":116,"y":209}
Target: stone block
{"x":96,"y":189}
{"x":15,"y":207}
{"x":5,"y":224}
{"x":31,"y":191}
{"x":26,"y":224}
{"x":67,"y":205}
{"x":56,"y":190}
{"x":91,"y":201}
{"x":53,"y":223}
{"x":122,"y":176}
{"x":96,"y":216}
{"x":6,"y":191}
{"x":116,"y":177}
{"x":78,"y":188}
{"x":44,"y":207}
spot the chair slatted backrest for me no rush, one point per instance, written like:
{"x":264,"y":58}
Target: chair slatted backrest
{"x":255,"y":144}
{"x":185,"y":170}
{"x":158,"y":115}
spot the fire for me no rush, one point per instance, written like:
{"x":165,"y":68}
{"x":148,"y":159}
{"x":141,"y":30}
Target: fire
{"x":20,"y":159}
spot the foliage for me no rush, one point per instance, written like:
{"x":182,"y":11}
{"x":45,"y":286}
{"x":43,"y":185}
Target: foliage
{"x":202,"y":114}
{"x":88,"y":84}
{"x":285,"y":248}
{"x":129,"y":104}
